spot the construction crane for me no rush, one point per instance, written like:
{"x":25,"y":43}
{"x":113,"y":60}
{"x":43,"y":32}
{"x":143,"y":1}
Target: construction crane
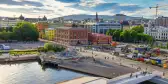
{"x":156,"y":7}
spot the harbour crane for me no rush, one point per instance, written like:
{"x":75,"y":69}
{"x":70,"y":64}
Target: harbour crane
{"x":156,"y":7}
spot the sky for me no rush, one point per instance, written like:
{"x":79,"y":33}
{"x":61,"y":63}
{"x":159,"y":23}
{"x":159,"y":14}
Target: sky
{"x":58,"y":8}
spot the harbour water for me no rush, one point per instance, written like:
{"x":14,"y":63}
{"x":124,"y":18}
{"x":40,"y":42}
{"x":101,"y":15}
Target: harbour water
{"x":34,"y":73}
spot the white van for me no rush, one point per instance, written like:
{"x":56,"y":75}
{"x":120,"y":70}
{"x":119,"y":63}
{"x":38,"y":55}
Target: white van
{"x":4,"y":47}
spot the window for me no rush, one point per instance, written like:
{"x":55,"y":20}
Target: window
{"x":105,"y":30}
{"x":101,"y":31}
{"x":94,"y":30}
{"x":1,"y":47}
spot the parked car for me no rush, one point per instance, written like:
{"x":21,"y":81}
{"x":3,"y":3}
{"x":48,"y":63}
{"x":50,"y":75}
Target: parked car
{"x":4,"y":47}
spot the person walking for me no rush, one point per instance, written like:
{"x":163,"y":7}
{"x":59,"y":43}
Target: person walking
{"x":136,"y":76}
{"x":112,"y":58}
{"x":130,"y":75}
{"x":163,"y":73}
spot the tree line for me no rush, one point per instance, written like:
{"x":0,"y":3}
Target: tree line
{"x":23,"y":31}
{"x":134,"y":35}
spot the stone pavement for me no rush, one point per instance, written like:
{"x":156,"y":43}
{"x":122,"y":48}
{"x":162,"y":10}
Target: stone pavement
{"x":123,"y":61}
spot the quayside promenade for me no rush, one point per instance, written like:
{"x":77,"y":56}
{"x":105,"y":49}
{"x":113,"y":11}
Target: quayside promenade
{"x":90,"y":66}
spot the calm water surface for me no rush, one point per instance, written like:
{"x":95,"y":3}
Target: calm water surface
{"x":33,"y":73}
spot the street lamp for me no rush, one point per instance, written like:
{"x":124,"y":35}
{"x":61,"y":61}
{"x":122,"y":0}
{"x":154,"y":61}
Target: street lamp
{"x":92,"y":50}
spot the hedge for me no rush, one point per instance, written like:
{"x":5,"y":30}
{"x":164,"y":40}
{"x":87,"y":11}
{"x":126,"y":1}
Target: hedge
{"x":23,"y":52}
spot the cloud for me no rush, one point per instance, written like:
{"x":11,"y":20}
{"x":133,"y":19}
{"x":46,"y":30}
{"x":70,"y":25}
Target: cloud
{"x":69,"y":1}
{"x":107,"y":6}
{"x":21,"y":2}
{"x":57,"y":8}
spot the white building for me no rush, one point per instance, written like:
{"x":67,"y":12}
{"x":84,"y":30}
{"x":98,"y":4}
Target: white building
{"x":8,"y":22}
{"x":157,"y":32}
{"x":102,"y":27}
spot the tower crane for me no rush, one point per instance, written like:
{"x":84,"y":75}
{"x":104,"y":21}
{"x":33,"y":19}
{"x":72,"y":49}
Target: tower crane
{"x":156,"y":7}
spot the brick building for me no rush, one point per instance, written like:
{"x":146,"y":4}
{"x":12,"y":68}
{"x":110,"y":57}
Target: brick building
{"x":162,"y":21}
{"x":41,"y":26}
{"x":95,"y":38}
{"x":71,"y":36}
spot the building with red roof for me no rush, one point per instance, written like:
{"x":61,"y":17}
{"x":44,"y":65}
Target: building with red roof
{"x":96,"y":38}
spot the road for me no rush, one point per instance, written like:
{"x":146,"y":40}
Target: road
{"x":24,"y":45}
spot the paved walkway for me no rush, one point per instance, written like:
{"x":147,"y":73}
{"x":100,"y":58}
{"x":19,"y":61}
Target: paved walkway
{"x":123,"y":61}
{"x":97,"y":68}
{"x":86,"y":80}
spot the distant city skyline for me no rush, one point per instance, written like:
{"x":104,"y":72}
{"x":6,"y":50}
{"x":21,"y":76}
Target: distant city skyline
{"x":57,"y":8}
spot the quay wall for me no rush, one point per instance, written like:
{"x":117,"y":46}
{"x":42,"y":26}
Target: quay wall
{"x":16,"y":59}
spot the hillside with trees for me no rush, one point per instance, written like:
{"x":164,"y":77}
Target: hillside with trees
{"x":134,"y":35}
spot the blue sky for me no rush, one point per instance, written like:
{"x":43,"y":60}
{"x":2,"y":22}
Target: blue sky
{"x":57,"y":8}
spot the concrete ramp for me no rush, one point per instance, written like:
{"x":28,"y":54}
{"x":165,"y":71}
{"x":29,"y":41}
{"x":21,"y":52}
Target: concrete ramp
{"x":86,"y":80}
{"x":159,"y":80}
{"x":135,"y":79}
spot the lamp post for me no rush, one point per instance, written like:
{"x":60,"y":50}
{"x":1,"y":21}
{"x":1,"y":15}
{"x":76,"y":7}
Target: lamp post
{"x":92,"y":50}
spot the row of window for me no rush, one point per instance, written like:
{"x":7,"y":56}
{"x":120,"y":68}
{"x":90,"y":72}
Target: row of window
{"x":155,"y":35}
{"x":107,"y":25}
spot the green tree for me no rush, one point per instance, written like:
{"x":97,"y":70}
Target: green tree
{"x":26,"y":31}
{"x":133,"y":34}
{"x":167,"y":45}
{"x":116,"y":35}
{"x":53,"y":47}
{"x":150,"y":41}
{"x":2,"y":29}
{"x":138,"y":29}
{"x":0,"y":52}
{"x":110,"y":32}
{"x":9,"y":29}
{"x":126,"y":35}
{"x":5,"y":35}
{"x":48,"y":46}
{"x":140,"y":37}
{"x":161,"y":45}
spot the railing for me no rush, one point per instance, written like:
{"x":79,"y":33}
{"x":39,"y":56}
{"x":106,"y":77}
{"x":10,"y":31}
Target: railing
{"x":136,"y":77}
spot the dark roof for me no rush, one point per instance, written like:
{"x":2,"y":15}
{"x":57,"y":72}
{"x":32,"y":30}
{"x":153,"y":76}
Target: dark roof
{"x":44,"y":18}
{"x":35,"y":19}
{"x":71,"y":28}
{"x":125,"y":23}
{"x":120,"y":15}
{"x":21,"y":17}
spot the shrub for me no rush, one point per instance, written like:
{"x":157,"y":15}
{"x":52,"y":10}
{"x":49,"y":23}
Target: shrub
{"x":41,"y":49}
{"x":0,"y":52}
{"x":53,"y":47}
{"x":23,"y":52}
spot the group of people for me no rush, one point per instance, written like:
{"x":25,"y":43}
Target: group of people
{"x":143,"y":72}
